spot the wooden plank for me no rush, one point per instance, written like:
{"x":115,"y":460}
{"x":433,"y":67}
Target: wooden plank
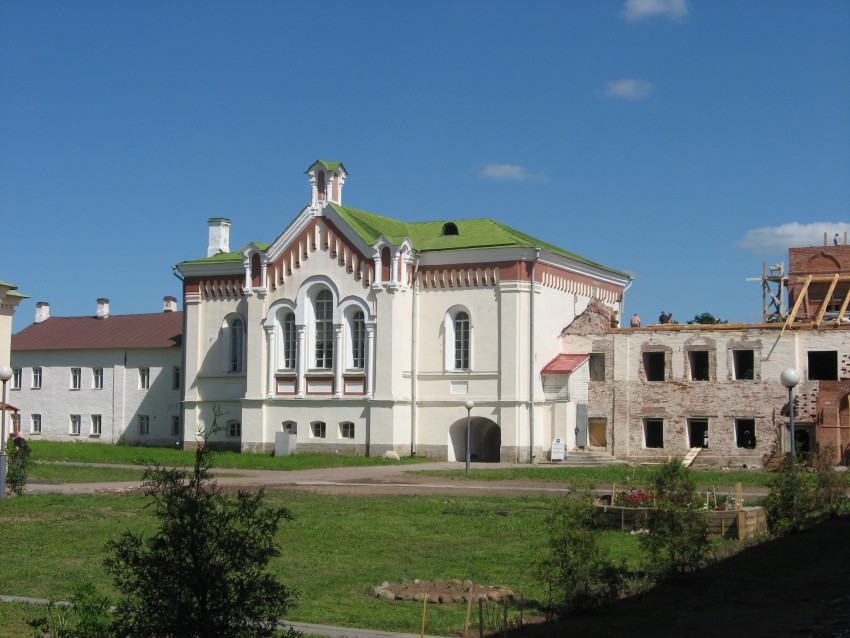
{"x":826,"y":299}
{"x":800,"y":296}
{"x":843,"y":308}
{"x":691,"y":456}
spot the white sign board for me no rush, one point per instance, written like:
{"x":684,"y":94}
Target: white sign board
{"x":558,"y":449}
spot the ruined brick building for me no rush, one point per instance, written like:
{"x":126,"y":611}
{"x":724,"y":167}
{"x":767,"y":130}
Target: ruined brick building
{"x":653,"y":392}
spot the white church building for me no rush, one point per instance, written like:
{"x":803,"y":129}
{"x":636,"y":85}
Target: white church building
{"x":355,"y":333}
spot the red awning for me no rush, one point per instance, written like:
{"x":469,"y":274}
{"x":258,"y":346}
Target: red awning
{"x":564,"y":363}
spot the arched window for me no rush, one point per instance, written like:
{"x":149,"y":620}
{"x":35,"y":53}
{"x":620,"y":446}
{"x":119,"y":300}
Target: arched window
{"x":235,"y":339}
{"x":461,"y":341}
{"x":290,"y":343}
{"x":357,"y":330}
{"x":321,"y":185}
{"x":323,"y":313}
{"x":450,"y":228}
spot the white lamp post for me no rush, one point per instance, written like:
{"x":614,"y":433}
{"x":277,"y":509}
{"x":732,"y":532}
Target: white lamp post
{"x":790,"y":378}
{"x":5,"y":375}
{"x":469,"y":405}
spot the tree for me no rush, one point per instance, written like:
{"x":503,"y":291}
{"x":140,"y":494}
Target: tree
{"x":706,"y":318}
{"x":578,"y":571}
{"x":678,"y":539}
{"x":202,"y":574}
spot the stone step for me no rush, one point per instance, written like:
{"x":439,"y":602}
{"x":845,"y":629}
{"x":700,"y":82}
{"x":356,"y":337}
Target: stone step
{"x":585,"y":458}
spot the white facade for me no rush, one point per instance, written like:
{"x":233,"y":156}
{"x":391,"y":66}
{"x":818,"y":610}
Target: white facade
{"x":362,"y":334}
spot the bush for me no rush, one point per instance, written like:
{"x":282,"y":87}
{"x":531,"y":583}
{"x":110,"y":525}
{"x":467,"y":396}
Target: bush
{"x":790,"y":506}
{"x":17,"y":468}
{"x":831,"y":489}
{"x":579,"y":573}
{"x":678,"y":539}
{"x":203,"y":573}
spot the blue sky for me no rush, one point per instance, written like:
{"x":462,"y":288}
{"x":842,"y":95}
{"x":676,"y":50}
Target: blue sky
{"x":682,"y":141}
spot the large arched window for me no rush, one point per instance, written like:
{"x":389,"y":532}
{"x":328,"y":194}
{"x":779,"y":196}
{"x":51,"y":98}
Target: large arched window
{"x":323,"y":314}
{"x":458,"y":343}
{"x":289,"y":341}
{"x":357,"y":330}
{"x":461,"y":341}
{"x":235,"y":341}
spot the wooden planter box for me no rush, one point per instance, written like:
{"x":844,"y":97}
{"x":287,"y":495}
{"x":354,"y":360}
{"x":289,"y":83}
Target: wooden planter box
{"x":732,"y":524}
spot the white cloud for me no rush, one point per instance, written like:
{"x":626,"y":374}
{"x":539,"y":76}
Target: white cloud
{"x":771,"y":240}
{"x":629,"y":89}
{"x":507,"y":173}
{"x":635,"y":10}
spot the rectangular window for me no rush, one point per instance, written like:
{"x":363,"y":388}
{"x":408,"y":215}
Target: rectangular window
{"x":653,"y":366}
{"x":96,"y":429}
{"x":75,"y":424}
{"x":144,"y":378}
{"x":461,"y":330}
{"x":744,"y":362}
{"x":97,"y":378}
{"x":144,"y":425}
{"x":16,"y":379}
{"x":324,"y":330}
{"x":175,"y":425}
{"x":36,"y":378}
{"x":234,"y":429}
{"x":76,"y":378}
{"x":745,"y":433}
{"x":35,"y":424}
{"x":823,"y":365}
{"x":597,"y":366}
{"x":317,"y":429}
{"x":176,"y":374}
{"x":346,"y":430}
{"x":289,"y":342}
{"x":697,"y":433}
{"x":653,"y":433}
{"x":698,"y":361}
{"x":358,"y":341}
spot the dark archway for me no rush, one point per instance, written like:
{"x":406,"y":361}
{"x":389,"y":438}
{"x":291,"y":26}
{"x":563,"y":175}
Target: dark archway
{"x":485,"y":442}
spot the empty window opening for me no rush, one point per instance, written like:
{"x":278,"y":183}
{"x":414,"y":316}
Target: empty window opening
{"x":698,"y":360}
{"x":597,"y":366}
{"x":653,"y":366}
{"x":745,"y":433}
{"x":450,"y":228}
{"x":745,"y":364}
{"x":653,"y":433}
{"x":823,"y":365}
{"x":597,"y":432}
{"x":697,"y":433}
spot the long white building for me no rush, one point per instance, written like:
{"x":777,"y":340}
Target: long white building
{"x":362,"y":334}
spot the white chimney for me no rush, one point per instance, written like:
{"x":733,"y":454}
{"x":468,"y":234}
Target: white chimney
{"x":42,"y":311}
{"x":169,"y":304}
{"x":219,"y":241}
{"x":102,"y":308}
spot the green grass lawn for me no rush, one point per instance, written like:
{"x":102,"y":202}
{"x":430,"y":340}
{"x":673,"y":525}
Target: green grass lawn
{"x":335,"y":550}
{"x":47,"y":473}
{"x":84,"y":452}
{"x":604,"y":476}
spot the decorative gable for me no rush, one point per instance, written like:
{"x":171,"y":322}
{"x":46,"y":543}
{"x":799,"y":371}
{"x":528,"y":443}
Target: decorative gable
{"x":326,"y":182}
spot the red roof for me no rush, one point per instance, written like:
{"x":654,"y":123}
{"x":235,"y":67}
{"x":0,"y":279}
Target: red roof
{"x":564,"y":363}
{"x":156,"y":330}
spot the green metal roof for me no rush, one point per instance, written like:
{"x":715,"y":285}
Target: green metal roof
{"x":473,"y":234}
{"x":330,"y":166}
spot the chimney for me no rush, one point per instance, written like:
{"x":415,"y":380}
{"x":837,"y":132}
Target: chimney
{"x":169,"y":304}
{"x":102,"y":308}
{"x":219,"y":241}
{"x":42,"y":311}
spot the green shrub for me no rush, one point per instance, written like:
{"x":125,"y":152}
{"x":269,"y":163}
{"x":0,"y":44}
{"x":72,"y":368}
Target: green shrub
{"x":790,"y":506}
{"x":577,"y":570}
{"x":831,"y":489}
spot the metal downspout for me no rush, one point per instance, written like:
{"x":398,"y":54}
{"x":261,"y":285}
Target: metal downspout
{"x":414,"y":358}
{"x":531,"y":359}
{"x":183,"y":379}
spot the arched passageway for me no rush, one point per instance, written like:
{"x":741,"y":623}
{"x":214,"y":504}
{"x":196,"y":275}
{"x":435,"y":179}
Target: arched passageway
{"x":485,"y":441}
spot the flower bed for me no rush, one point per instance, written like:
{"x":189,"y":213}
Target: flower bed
{"x":741,"y":523}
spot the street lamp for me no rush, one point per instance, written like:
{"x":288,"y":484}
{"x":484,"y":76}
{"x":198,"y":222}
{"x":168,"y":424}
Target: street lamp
{"x":5,"y":375}
{"x":469,"y":405}
{"x":790,"y":378}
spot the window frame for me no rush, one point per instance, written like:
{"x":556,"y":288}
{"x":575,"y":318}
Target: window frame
{"x":318,"y":430}
{"x":35,"y":424}
{"x":323,"y":330}
{"x":76,"y":378}
{"x":357,"y":334}
{"x":234,"y":429}
{"x":176,"y":377}
{"x":75,"y":426}
{"x":289,"y":341}
{"x":97,"y":378}
{"x":144,"y":425}
{"x":144,"y":378}
{"x":458,"y":340}
{"x":17,"y":377}
{"x":176,"y":421}
{"x":347,"y":430}
{"x":235,"y":362}
{"x":37,"y":378}
{"x":96,"y":425}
